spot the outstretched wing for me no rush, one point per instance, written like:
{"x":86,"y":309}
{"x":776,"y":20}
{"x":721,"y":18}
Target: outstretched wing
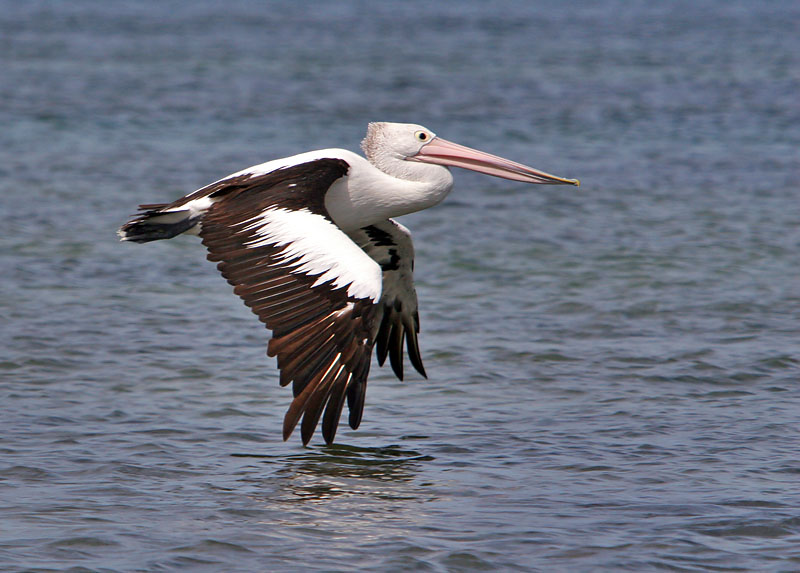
{"x":389,"y":244}
{"x":307,"y":281}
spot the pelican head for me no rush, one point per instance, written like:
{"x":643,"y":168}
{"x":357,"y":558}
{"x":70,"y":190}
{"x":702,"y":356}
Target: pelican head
{"x":388,"y":144}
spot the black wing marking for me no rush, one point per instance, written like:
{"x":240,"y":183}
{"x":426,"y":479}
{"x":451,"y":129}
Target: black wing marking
{"x":389,"y":244}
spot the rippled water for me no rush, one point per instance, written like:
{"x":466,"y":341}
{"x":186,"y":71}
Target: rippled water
{"x":613,"y":370}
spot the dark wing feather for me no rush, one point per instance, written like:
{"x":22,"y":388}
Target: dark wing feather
{"x":306,"y":280}
{"x":389,"y":244}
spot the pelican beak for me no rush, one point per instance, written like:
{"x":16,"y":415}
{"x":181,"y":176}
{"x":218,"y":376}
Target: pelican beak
{"x":442,"y":152}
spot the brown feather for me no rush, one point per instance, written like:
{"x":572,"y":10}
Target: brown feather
{"x":321,"y":336}
{"x":317,"y":401}
{"x":333,"y":411}
{"x":396,"y":348}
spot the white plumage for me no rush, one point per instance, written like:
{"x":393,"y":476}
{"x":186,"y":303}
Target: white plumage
{"x":314,"y":246}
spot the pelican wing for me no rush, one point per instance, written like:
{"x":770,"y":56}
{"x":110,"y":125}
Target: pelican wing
{"x":306,"y":280}
{"x":389,"y":244}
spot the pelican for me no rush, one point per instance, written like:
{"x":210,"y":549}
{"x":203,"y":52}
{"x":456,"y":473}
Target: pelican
{"x":310,"y":244}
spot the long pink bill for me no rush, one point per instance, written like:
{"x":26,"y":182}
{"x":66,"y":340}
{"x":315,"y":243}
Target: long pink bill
{"x":443,"y":152}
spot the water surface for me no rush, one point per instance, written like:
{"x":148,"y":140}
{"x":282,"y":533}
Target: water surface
{"x":613,"y":371}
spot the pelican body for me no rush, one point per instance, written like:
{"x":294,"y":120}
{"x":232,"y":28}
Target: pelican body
{"x":310,"y":244}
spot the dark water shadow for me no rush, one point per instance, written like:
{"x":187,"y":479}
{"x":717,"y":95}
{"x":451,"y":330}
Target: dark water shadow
{"x":342,"y":470}
{"x":340,"y":460}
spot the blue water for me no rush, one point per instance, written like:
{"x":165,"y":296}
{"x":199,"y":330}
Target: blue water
{"x":613,"y":370}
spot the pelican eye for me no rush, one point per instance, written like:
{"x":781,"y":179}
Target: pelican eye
{"x":422,"y":136}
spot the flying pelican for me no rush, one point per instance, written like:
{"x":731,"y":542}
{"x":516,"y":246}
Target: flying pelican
{"x":309,"y":243}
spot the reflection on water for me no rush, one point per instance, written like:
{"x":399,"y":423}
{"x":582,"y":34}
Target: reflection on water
{"x":324,"y":472}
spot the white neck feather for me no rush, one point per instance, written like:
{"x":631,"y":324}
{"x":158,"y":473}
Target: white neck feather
{"x":370,"y":194}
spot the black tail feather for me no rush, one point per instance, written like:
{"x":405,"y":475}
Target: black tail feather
{"x":155,"y":225}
